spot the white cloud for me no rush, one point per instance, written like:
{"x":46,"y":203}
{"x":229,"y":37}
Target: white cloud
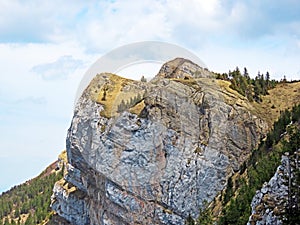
{"x":122,"y":22}
{"x":60,"y":69}
{"x":31,"y":100}
{"x":60,"y":39}
{"x":40,"y":21}
{"x":199,"y":14}
{"x":35,"y":114}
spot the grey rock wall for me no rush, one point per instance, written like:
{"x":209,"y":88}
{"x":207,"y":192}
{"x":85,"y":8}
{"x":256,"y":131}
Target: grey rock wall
{"x":269,"y":204}
{"x":160,"y":166}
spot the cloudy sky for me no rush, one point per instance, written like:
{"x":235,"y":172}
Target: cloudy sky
{"x":46,"y":47}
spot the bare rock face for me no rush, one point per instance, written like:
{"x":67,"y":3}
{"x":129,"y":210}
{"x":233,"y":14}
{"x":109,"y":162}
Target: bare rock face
{"x":270,"y":204}
{"x":183,"y":68}
{"x":152,"y":153}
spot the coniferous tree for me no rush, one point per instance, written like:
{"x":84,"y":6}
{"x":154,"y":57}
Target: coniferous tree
{"x":190,"y":220}
{"x":246,"y":74}
{"x":268,"y":81}
{"x":121,"y":106}
{"x":104,"y":95}
{"x":262,"y":166}
{"x":32,"y":198}
{"x":205,"y":216}
{"x":284,"y":79}
{"x":6,"y":221}
{"x":143,"y":79}
{"x":257,"y":90}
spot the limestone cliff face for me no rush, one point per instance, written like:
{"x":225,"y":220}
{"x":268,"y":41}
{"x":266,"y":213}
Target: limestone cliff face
{"x":270,"y":204}
{"x":152,"y":153}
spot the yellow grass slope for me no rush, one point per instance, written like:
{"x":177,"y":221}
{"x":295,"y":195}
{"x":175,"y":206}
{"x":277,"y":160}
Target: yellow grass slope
{"x":110,"y":90}
{"x":283,"y":96}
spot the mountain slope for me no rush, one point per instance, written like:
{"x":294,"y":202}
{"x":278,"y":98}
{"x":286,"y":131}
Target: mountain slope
{"x":283,"y":96}
{"x":29,"y":203}
{"x":236,"y":199}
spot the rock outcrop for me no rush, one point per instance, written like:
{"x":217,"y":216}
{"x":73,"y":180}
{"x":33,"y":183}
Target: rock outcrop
{"x":153,"y":153}
{"x":270,"y":204}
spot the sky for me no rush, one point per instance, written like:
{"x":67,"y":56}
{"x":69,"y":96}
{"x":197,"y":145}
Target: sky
{"x":47,"y":46}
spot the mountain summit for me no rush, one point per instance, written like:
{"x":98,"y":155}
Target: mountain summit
{"x":155,"y":152}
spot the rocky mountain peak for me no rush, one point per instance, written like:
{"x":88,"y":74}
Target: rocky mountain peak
{"x":184,"y":69}
{"x":142,"y":153}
